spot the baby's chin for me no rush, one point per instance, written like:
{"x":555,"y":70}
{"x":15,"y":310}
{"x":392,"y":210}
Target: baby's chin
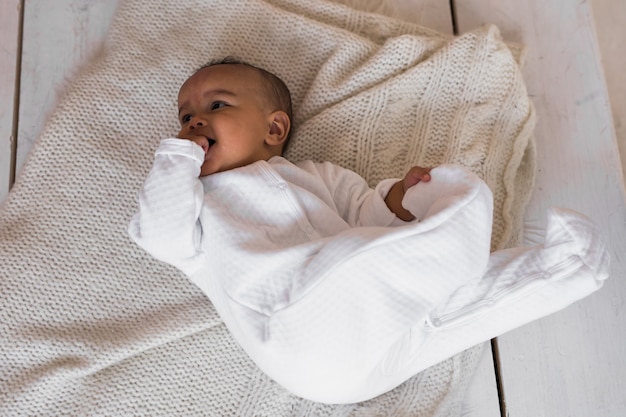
{"x":210,"y":168}
{"x":206,"y":169}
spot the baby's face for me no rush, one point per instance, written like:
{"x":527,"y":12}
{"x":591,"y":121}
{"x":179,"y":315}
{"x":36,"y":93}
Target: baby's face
{"x":222,"y":106}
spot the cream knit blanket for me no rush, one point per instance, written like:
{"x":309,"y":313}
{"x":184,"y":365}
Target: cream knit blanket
{"x":91,"y":325}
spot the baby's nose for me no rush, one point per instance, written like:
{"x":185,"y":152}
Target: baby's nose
{"x":197,"y":122}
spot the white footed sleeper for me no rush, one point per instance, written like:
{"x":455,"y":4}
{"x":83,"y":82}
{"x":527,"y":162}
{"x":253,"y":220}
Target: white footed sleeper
{"x":328,"y":292}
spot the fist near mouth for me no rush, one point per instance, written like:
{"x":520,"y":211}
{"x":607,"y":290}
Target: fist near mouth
{"x":198,"y":139}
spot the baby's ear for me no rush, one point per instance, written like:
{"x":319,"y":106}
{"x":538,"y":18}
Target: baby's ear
{"x":279,"y":128}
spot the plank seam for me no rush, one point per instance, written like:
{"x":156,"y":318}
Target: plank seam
{"x":16,"y":95}
{"x":455,"y":29}
{"x":495,"y":351}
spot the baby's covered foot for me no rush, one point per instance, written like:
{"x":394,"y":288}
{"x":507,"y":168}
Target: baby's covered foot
{"x":538,"y":280}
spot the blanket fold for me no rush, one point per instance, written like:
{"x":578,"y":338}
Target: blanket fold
{"x":92,"y":325}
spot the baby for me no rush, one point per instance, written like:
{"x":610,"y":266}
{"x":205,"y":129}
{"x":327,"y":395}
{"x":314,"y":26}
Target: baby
{"x":298,"y":258}
{"x":337,"y":291}
{"x":315,"y":274}
{"x":240,"y":114}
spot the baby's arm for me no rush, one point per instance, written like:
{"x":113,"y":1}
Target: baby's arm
{"x":166,"y":224}
{"x":358,"y":204}
{"x":397,"y":191}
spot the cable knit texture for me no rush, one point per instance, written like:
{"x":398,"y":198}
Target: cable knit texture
{"x":92,"y":325}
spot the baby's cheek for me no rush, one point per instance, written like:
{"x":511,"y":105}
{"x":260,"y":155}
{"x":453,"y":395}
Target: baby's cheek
{"x":206,"y":169}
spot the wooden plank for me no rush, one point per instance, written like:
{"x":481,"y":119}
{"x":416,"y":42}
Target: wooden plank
{"x":435,"y":14}
{"x":610,"y":19}
{"x":570,"y":363}
{"x":59,"y":37}
{"x":9,"y":37}
{"x":481,"y":399}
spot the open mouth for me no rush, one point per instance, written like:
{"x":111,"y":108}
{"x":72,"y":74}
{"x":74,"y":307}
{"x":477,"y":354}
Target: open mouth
{"x":211,"y":142}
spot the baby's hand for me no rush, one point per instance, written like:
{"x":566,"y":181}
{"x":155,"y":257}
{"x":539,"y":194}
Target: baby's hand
{"x":198,"y":139}
{"x":396,"y":193}
{"x":415,"y":175}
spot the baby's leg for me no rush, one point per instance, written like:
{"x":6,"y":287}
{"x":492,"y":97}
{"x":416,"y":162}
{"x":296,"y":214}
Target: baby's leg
{"x":520,"y":285}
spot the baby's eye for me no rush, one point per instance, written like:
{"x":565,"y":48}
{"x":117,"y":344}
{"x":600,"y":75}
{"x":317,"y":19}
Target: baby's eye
{"x":218,"y":105}
{"x":185,"y":119}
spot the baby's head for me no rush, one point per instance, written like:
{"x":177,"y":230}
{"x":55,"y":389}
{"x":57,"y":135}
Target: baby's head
{"x":237,"y":112}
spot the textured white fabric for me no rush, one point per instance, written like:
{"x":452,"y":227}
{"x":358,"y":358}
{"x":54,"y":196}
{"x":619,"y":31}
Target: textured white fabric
{"x":92,"y":325}
{"x":298,"y":262}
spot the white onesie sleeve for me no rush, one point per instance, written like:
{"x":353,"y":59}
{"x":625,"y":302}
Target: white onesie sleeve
{"x":356,"y":202}
{"x":166,"y":224}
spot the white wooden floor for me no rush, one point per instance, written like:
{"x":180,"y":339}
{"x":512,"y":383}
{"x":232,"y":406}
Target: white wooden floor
{"x":572,"y":363}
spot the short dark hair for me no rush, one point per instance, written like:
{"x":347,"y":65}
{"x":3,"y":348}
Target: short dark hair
{"x":276,"y":89}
